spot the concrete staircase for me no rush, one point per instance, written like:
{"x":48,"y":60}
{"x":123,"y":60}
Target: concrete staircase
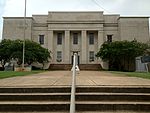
{"x":60,"y":67}
{"x":92,"y":99}
{"x":89,"y":67}
{"x":113,"y":98}
{"x":34,"y":99}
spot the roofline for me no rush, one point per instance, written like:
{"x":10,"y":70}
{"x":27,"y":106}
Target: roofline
{"x":17,"y":17}
{"x":39,"y":15}
{"x":112,"y":15}
{"x":134,"y":17}
{"x":75,"y":11}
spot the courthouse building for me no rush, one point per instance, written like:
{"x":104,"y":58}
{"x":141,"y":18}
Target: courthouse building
{"x":66,"y":33}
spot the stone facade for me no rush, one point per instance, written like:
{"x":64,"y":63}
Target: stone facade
{"x":65,"y":33}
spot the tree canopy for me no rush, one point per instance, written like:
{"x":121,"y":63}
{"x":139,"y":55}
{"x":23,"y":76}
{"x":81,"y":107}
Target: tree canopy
{"x":14,"y":49}
{"x":121,"y":54}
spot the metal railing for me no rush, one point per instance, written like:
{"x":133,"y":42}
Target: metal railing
{"x":73,"y":87}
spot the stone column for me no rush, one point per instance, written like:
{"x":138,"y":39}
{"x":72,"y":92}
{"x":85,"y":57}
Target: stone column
{"x":84,"y":47}
{"x":67,"y":48}
{"x":51,"y":44}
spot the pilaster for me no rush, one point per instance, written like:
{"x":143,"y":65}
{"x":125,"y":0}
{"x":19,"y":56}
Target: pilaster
{"x":51,"y":44}
{"x":67,"y":48}
{"x":100,"y":38}
{"x":84,"y":47}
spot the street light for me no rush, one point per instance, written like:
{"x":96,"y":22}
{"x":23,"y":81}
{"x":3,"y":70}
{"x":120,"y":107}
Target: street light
{"x":24,"y":34}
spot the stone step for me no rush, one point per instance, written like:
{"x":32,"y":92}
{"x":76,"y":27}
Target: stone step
{"x":113,"y":89}
{"x":93,"y":67}
{"x":112,"y":106}
{"x":44,"y":89}
{"x":30,"y":106}
{"x":60,"y":67}
{"x":79,"y":96}
{"x":113,"y":97}
{"x":35,"y":96}
{"x":83,"y":112}
{"x":57,"y":99}
{"x":80,"y":106}
{"x":81,"y":89}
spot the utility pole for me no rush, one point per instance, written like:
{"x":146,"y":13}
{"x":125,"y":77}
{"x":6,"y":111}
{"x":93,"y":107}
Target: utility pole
{"x":24,"y":35}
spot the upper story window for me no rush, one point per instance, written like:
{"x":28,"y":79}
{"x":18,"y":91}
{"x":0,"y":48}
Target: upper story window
{"x":75,"y":38}
{"x":59,"y":38}
{"x":91,"y":38}
{"x":91,"y":56}
{"x":41,"y":39}
{"x":109,"y":38}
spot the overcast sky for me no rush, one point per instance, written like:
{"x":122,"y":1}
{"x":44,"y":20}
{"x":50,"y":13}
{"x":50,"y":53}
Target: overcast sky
{"x":13,"y":8}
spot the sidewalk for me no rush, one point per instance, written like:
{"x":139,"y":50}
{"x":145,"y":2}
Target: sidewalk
{"x":63,"y":78}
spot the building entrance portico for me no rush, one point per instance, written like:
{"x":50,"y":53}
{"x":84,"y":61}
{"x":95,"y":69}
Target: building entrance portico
{"x":67,"y":42}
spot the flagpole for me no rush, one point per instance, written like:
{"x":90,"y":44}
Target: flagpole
{"x":24,"y":35}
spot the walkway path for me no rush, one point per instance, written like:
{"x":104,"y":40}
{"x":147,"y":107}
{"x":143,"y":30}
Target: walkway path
{"x":63,"y":78}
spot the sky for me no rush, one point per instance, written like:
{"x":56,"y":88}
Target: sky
{"x":15,"y":8}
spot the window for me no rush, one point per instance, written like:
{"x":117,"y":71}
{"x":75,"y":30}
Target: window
{"x":59,"y":56}
{"x":41,"y":39}
{"x":75,"y":38}
{"x":91,"y":56}
{"x":59,"y":38}
{"x":91,"y":38}
{"x":109,"y":38}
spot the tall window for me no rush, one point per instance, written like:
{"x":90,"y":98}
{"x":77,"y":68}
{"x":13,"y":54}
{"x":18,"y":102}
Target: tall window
{"x":59,"y":38}
{"x":41,"y":39}
{"x":91,"y":56}
{"x":109,"y":38}
{"x":91,"y":38}
{"x":75,"y":38}
{"x":59,"y":56}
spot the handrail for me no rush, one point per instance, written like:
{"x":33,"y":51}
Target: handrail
{"x":73,"y":87}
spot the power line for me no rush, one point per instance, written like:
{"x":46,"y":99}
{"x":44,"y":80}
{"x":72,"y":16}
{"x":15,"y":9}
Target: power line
{"x":98,"y":4}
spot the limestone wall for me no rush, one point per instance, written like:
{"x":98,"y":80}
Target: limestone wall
{"x":134,"y":28}
{"x":75,"y":16}
{"x":13,"y":28}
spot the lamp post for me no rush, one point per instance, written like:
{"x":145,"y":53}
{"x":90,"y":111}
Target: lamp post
{"x":24,"y":35}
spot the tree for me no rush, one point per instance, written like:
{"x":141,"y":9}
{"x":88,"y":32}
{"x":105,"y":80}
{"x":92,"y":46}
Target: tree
{"x":33,"y":51}
{"x":121,"y":54}
{"x":5,"y":51}
{"x":16,"y":48}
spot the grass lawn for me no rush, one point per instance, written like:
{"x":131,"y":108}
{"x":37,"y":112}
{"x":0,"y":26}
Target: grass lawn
{"x":6,"y":74}
{"x":134,"y":74}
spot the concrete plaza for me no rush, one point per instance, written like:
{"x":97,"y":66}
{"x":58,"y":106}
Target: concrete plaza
{"x":63,"y":78}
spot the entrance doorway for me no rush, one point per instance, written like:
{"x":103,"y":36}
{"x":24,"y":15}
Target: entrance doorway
{"x":78,"y":58}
